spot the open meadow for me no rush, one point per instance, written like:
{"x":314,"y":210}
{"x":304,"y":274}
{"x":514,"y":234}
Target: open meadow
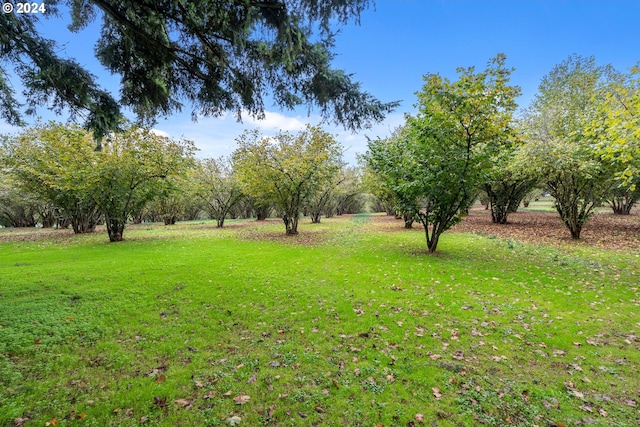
{"x":350,"y":323}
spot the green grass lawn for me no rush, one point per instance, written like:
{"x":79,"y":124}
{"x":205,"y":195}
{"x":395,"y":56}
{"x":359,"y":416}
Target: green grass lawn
{"x":343,"y":325}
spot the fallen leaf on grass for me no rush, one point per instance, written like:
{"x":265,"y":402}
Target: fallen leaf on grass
{"x":234,"y":420}
{"x":158,"y":401}
{"x":578,"y":394}
{"x":161,"y":378}
{"x":241,"y":399}
{"x":183,"y":402}
{"x":459,"y":355}
{"x":436,"y":392}
{"x":19,"y":422}
{"x":419,"y":418}
{"x":53,"y":422}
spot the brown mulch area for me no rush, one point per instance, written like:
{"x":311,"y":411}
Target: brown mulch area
{"x":604,"y":230}
{"x":31,"y":234}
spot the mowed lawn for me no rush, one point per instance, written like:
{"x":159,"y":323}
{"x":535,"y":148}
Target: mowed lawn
{"x":350,"y":323}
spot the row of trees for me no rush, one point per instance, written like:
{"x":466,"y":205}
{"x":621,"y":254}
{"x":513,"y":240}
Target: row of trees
{"x":57,"y":168}
{"x":579,"y":139}
{"x":52,"y":174}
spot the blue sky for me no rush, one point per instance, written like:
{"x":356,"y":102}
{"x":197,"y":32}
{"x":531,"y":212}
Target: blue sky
{"x":398,"y":41}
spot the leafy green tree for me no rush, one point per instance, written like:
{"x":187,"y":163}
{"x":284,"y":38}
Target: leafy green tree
{"x":507,"y":182}
{"x":378,"y":189}
{"x":335,"y":196}
{"x":616,"y":132}
{"x":348,"y":195}
{"x":560,"y":146}
{"x":287,"y":169}
{"x":616,"y":128}
{"x":390,"y":159}
{"x":217,"y":55}
{"x":130,"y":170}
{"x":218,"y":187}
{"x":18,"y":209}
{"x":443,"y":155}
{"x":54,"y":162}
{"x":172,"y":199}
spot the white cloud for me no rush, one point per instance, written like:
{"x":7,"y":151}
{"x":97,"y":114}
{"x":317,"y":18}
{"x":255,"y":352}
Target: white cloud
{"x":276,"y":122}
{"x":160,"y":133}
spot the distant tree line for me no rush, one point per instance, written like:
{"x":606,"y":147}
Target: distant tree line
{"x":52,"y":175}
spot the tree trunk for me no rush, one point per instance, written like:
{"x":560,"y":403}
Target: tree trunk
{"x":291,"y":224}
{"x":262,"y":212}
{"x":432,"y":247}
{"x":408,"y":220}
{"x":115,"y":229}
{"x":572,"y":220}
{"x":315,"y":217}
{"x":433,"y":237}
{"x":432,"y":243}
{"x":622,"y":205}
{"x":83,"y":224}
{"x":575,"y":232}
{"x":220,"y":221}
{"x":169,"y":220}
{"x":499,"y":214}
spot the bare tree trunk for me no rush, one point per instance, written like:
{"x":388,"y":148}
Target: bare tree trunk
{"x":408,"y":220}
{"x":622,"y":205}
{"x":115,"y":229}
{"x":291,"y":224}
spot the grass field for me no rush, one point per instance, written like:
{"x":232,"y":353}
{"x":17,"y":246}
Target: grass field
{"x":349,"y":323}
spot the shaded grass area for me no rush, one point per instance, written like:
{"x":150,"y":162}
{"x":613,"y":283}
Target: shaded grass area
{"x":343,"y":325}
